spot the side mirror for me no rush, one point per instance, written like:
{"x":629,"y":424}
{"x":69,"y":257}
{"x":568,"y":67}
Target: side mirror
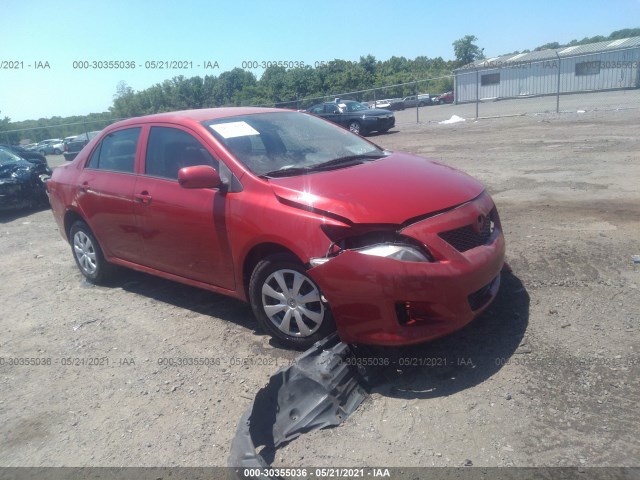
{"x":199,"y":176}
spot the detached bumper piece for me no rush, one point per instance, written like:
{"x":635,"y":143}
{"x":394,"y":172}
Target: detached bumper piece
{"x":320,"y":389}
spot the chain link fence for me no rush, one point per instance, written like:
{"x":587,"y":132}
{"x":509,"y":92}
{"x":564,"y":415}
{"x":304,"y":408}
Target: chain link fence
{"x":62,"y":130}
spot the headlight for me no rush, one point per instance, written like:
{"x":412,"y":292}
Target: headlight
{"x":376,"y":240}
{"x":404,"y":253}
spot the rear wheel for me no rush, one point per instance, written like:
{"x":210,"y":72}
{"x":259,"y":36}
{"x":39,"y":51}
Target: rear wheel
{"x":88,"y":254}
{"x":287,"y":303}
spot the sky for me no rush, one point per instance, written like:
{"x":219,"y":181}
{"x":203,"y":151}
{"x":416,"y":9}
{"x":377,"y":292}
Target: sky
{"x":48,"y":41}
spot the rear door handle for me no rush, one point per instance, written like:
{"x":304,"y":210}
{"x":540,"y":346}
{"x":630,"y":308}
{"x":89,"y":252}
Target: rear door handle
{"x":143,"y":198}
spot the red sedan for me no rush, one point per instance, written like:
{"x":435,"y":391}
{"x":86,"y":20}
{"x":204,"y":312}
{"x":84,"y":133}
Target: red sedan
{"x":317,"y":228}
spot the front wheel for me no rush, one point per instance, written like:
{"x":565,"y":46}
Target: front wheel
{"x":88,"y":254}
{"x":354,"y":127}
{"x":287,"y":303}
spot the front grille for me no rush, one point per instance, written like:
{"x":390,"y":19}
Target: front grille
{"x":386,"y":121}
{"x":467,"y":237}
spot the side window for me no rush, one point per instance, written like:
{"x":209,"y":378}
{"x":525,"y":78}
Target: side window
{"x":116,"y":152}
{"x":170,"y":149}
{"x":332,"y":108}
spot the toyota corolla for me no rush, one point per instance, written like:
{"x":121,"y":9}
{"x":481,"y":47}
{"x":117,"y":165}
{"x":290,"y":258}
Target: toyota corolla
{"x":317,"y":228}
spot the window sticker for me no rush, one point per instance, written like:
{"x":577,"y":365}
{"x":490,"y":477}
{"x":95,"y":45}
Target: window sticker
{"x":234,"y":129}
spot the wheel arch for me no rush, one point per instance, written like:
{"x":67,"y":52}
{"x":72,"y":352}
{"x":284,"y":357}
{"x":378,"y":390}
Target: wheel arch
{"x":71,"y":217}
{"x":256,"y":255}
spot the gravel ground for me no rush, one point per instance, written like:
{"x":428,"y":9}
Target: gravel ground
{"x":548,"y":376}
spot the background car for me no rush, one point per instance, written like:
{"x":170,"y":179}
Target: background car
{"x":396,"y":104}
{"x":446,"y":97}
{"x":29,"y":155}
{"x":22,"y":183}
{"x":50,"y":146}
{"x":68,"y":140}
{"x":379,"y":104}
{"x":72,"y":145}
{"x":355,"y":116}
{"x":317,"y":228}
{"x":421,"y":100}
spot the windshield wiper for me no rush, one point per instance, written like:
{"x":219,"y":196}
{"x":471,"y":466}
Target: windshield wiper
{"x":285,"y":172}
{"x":349,"y":159}
{"x":336,"y":162}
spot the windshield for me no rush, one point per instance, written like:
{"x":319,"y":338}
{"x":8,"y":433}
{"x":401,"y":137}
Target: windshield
{"x":8,"y":157}
{"x":288,"y":142}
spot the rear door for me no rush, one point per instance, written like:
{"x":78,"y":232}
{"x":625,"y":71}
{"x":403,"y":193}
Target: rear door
{"x":332,"y":113}
{"x":106,"y":194}
{"x":183,"y":231}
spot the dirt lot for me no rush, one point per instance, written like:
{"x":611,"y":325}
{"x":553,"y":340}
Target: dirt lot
{"x":549,"y":376}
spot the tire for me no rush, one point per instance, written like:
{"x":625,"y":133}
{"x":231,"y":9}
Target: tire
{"x":57,"y":151}
{"x":278,"y":285}
{"x":354,"y":127}
{"x":88,"y":254}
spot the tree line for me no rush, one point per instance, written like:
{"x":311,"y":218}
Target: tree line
{"x":293,"y":88}
{"x":277,"y":86}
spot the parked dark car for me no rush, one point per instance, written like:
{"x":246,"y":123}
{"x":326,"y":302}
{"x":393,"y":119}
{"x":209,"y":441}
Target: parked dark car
{"x":73,"y":146}
{"x":30,"y":155}
{"x":445,"y":98}
{"x":22,"y":183}
{"x":396,"y":104}
{"x":317,"y":228}
{"x":355,"y":116}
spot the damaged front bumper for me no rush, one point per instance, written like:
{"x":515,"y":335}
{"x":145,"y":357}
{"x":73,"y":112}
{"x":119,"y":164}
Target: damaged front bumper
{"x":384,"y":301}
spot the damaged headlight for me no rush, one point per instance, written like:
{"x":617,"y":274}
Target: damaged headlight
{"x":404,"y":253}
{"x":375,"y":240}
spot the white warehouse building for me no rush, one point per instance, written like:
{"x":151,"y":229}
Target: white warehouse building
{"x":609,"y":65}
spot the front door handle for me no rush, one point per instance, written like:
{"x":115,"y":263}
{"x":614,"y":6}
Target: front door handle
{"x":143,"y":198}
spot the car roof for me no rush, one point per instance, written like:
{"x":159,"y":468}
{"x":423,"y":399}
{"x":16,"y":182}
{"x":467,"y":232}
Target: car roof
{"x":199,"y":115}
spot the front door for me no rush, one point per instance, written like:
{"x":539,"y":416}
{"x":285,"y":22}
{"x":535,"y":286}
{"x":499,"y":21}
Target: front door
{"x":183,"y":231}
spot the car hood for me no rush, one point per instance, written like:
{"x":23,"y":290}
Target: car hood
{"x":392,"y":190}
{"x":15,"y":171}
